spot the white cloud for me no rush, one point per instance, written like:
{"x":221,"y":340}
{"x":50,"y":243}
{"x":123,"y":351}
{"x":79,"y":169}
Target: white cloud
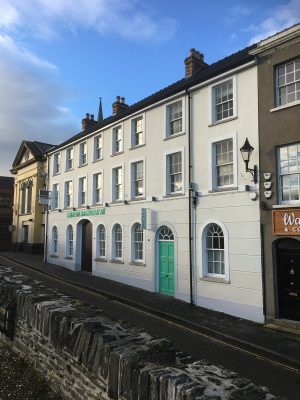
{"x":33,"y":100}
{"x":31,"y":107}
{"x":19,"y":52}
{"x":126,"y":18}
{"x":280,"y":18}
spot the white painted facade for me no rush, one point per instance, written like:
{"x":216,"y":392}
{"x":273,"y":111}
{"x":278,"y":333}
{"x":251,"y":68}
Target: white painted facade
{"x":165,"y":211}
{"x":239,"y":291}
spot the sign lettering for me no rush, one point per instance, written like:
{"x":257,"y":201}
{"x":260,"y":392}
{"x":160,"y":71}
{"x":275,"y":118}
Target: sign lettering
{"x":86,"y":213}
{"x":286,"y":222}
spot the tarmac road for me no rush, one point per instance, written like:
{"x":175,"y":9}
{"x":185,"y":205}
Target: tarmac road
{"x":281,"y":380}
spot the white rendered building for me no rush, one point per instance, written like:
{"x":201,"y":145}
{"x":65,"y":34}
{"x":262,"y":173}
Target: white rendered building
{"x":138,"y":197}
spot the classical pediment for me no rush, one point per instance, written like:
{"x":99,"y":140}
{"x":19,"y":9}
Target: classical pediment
{"x":29,"y":152}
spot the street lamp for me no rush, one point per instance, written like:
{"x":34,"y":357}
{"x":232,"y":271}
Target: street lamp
{"x":246,"y":151}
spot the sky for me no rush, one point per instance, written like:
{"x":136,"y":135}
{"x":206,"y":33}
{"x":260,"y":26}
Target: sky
{"x":57,"y":57}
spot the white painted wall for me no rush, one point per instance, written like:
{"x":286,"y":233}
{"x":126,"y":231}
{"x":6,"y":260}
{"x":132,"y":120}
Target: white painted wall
{"x":241,"y":294}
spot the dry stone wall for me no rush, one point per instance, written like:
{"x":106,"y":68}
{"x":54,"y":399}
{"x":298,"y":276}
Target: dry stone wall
{"x":84,"y":354}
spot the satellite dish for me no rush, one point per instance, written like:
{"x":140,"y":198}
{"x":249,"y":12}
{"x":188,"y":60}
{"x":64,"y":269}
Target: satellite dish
{"x":12,"y":228}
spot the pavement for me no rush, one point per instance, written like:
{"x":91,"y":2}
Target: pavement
{"x":279,"y":346}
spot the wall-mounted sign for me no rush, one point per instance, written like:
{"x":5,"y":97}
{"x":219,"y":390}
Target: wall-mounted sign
{"x":86,"y":213}
{"x":44,"y":196}
{"x":286,"y":222}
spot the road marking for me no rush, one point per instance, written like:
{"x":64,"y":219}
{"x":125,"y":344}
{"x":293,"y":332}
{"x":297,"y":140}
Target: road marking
{"x":194,"y":331}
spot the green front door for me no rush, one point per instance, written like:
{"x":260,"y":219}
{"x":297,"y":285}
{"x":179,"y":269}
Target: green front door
{"x":166,"y":267}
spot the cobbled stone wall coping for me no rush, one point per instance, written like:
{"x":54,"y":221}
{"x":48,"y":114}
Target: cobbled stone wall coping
{"x":87,"y":355}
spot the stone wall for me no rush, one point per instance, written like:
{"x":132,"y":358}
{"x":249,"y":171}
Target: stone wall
{"x":85,"y":354}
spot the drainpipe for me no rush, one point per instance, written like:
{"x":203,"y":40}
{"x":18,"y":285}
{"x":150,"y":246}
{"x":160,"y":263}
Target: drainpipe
{"x":47,"y":215}
{"x":190,"y":197}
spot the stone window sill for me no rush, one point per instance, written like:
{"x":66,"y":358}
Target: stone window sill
{"x":102,"y":259}
{"x":168,"y":137}
{"x":295,"y":103}
{"x":213,"y":279}
{"x":53,"y":255}
{"x":82,"y":165}
{"x":118,"y":153}
{"x":98,"y":159}
{"x":179,"y":194}
{"x":116,"y":261}
{"x":222,"y":121}
{"x":138,"y":264}
{"x":137,"y":146}
{"x":69,"y":258}
{"x":137,"y":199}
{"x":225,"y":189}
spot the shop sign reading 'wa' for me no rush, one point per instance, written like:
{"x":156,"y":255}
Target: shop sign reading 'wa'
{"x":286,"y":222}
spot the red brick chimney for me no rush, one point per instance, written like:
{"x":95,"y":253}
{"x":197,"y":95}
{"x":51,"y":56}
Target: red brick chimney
{"x":194,"y":62}
{"x":119,"y":105}
{"x":88,"y":121}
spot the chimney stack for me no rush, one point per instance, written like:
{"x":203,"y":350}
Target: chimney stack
{"x":194,"y":62}
{"x":88,"y":121}
{"x":119,"y":105}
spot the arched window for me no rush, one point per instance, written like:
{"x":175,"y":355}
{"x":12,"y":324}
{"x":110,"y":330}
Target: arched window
{"x":215,"y":250}
{"x":165,"y":233}
{"x":138,"y":242}
{"x":101,"y":234}
{"x":70,"y":243}
{"x":54,"y":240}
{"x":117,"y":242}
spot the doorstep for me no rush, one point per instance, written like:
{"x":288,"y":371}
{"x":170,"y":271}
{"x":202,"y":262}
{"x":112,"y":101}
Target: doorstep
{"x":284,"y":325}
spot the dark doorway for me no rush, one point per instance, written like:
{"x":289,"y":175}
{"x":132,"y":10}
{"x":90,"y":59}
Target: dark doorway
{"x":288,"y":279}
{"x":87,"y":246}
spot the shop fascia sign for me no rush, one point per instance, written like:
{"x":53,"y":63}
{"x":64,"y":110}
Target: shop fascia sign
{"x":86,"y":213}
{"x":286,"y":222}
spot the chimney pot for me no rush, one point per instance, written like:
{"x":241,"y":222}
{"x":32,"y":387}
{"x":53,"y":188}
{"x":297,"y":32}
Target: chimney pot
{"x":87,"y":116}
{"x":194,"y":62}
{"x":92,"y":117}
{"x":119,"y":105}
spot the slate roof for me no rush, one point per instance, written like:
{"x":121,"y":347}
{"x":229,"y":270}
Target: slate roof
{"x":204,"y":74}
{"x":38,"y":149}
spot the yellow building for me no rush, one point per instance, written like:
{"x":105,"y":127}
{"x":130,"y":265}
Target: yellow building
{"x":30,"y":170}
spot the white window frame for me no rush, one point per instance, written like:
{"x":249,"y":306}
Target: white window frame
{"x":294,"y":202}
{"x":69,"y":160}
{"x":69,"y":240}
{"x":55,"y":196}
{"x":54,"y":240}
{"x":133,"y":242}
{"x":212,"y":161}
{"x":82,"y":181}
{"x":95,"y":188}
{"x":114,"y":140}
{"x":68,"y":194}
{"x":213,"y":99}
{"x":98,"y":148}
{"x":113,"y":242}
{"x":131,"y":178}
{"x":294,"y":82}
{"x":114,"y":184}
{"x":133,"y":131}
{"x":167,"y":186}
{"x":83,"y":154}
{"x":98,"y":255}
{"x":202,"y":261}
{"x":56,"y":163}
{"x":167,"y":134}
